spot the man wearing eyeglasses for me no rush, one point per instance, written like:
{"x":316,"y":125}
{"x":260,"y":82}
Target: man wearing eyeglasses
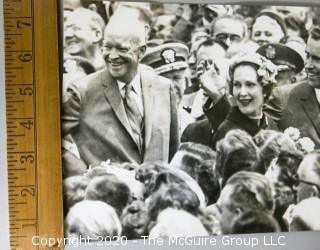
{"x":125,"y":112}
{"x":230,"y":30}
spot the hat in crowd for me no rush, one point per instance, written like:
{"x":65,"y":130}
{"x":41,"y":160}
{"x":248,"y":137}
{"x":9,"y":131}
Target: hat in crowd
{"x":167,"y":57}
{"x":266,"y":69}
{"x":275,"y":16}
{"x":283,"y":55}
{"x":219,"y":9}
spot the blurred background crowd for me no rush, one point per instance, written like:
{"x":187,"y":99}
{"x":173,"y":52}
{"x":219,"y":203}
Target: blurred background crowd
{"x":246,"y":80}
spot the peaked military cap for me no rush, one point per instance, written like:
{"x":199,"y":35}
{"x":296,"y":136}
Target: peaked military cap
{"x":167,"y":57}
{"x":283,"y":55}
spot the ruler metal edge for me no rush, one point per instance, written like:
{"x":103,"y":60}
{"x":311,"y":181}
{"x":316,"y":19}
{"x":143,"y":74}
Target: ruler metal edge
{"x":45,"y":125}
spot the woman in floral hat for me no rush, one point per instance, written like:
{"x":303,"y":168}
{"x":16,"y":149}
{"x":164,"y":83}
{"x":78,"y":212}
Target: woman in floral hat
{"x":251,"y":77}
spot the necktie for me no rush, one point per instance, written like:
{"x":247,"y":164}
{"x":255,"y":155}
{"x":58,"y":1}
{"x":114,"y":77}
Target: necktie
{"x":134,"y":116}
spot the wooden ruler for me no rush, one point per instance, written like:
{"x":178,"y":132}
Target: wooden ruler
{"x":33,"y":124}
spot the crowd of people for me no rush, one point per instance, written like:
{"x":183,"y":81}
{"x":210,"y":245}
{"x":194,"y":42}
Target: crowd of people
{"x":190,"y":119}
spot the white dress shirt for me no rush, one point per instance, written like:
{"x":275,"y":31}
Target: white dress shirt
{"x":317,"y":94}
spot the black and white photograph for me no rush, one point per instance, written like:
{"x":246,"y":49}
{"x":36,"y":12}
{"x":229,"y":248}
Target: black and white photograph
{"x":183,"y":120}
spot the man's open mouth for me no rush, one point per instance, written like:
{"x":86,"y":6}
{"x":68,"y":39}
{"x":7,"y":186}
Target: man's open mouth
{"x":116,"y":64}
{"x":72,"y":42}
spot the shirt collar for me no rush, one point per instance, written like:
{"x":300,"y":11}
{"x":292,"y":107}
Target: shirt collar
{"x":317,"y":94}
{"x":136,"y":83}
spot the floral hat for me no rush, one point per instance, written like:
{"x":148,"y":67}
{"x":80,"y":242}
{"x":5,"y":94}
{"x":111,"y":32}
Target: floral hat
{"x":267,"y":71}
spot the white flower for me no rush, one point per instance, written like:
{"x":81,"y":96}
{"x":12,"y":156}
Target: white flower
{"x":293,"y":133}
{"x":306,"y":144}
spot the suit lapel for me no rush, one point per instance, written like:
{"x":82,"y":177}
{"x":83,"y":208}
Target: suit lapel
{"x":113,"y":96}
{"x":311,"y":107}
{"x":146,"y":84}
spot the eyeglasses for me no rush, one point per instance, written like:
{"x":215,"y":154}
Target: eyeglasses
{"x":298,"y":181}
{"x":225,"y":36}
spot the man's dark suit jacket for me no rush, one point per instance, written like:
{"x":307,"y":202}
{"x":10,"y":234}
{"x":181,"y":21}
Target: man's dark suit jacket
{"x":93,"y":113}
{"x":296,"y":106}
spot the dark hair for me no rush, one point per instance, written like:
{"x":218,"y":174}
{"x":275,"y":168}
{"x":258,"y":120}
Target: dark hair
{"x":203,"y":151}
{"x":254,"y":186}
{"x":208,"y":181}
{"x":270,"y":144}
{"x":134,"y":220}
{"x":253,"y":221}
{"x":147,"y":173}
{"x":210,"y":42}
{"x":193,"y":154}
{"x":289,"y":162}
{"x":235,"y":152}
{"x":301,"y":225}
{"x":73,"y":190}
{"x":173,"y":195}
{"x":109,"y":189}
{"x":293,"y":22}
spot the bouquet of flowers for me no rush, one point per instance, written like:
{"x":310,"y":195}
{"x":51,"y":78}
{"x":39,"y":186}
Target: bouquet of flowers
{"x":305,"y":144}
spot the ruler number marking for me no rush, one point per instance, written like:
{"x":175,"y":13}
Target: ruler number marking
{"x":27,"y":159}
{"x":20,"y":24}
{"x":27,"y":191}
{"x":26,"y":91}
{"x":28,"y":124}
{"x":25,"y":57}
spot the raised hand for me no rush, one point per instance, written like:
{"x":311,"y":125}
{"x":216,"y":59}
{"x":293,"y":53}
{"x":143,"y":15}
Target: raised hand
{"x":211,"y":80}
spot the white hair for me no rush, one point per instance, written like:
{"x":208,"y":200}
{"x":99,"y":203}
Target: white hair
{"x":179,"y":223}
{"x":93,"y":219}
{"x":92,"y":18}
{"x":127,"y":27}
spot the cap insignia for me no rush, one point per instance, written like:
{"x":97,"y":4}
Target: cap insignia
{"x":270,"y":52}
{"x":168,"y":55}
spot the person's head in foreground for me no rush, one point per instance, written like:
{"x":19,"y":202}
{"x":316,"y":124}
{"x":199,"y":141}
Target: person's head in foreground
{"x":308,"y":181}
{"x":92,"y":219}
{"x":253,"y":222}
{"x":109,"y":189}
{"x":177,"y":223}
{"x":305,"y":216}
{"x":73,"y":190}
{"x":235,"y":152}
{"x":134,"y":220}
{"x":178,"y":196}
{"x":243,"y":192}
